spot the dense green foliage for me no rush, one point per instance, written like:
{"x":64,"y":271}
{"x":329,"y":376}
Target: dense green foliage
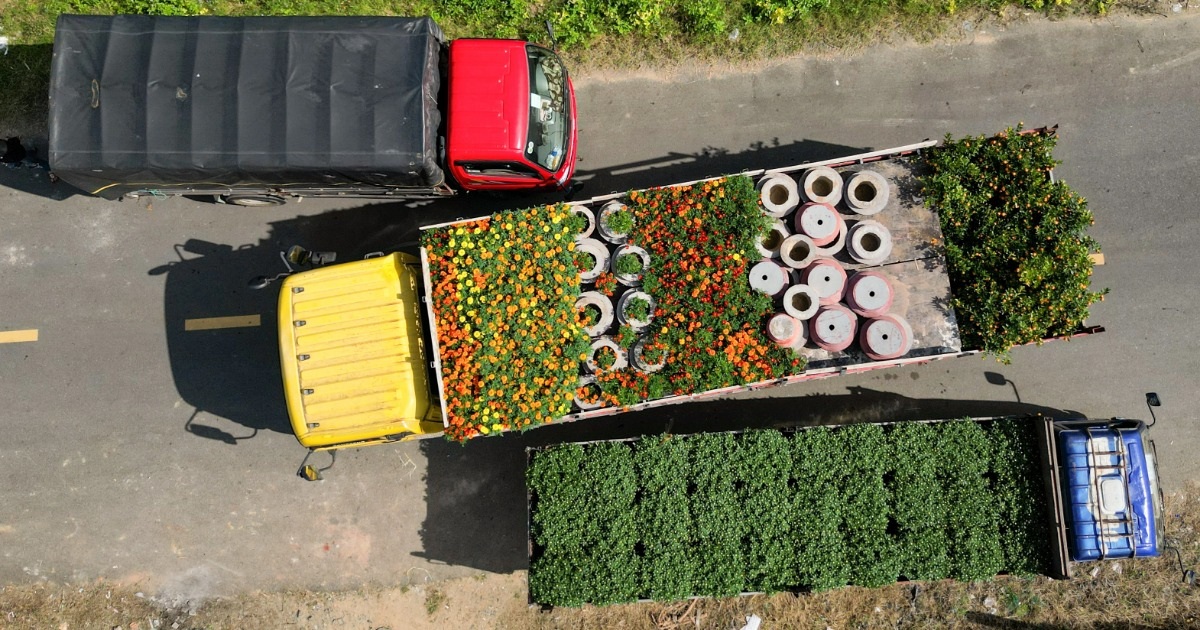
{"x":668,"y":517}
{"x":576,"y":22}
{"x":819,"y":472}
{"x":1018,"y":503}
{"x":921,"y":538}
{"x":664,"y":518}
{"x":586,"y":527}
{"x":1015,"y":244}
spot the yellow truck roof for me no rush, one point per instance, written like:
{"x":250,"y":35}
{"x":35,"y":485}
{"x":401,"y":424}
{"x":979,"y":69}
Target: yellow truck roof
{"x":353,"y":355}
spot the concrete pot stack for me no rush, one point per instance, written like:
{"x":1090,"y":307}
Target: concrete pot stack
{"x":820,"y":304}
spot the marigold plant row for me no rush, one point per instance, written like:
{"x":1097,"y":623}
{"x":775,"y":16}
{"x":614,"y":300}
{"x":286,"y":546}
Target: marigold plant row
{"x":504,"y":293}
{"x":666,"y":518}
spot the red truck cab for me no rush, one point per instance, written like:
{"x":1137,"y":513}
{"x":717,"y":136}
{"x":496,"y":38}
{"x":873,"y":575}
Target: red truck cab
{"x":511,"y":118}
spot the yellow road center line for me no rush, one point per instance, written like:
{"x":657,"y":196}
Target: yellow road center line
{"x":213,"y":323}
{"x":1097,"y":259}
{"x":18,"y":336}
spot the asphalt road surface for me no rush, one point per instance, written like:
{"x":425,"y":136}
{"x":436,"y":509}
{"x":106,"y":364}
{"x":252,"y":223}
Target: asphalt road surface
{"x":135,"y":449}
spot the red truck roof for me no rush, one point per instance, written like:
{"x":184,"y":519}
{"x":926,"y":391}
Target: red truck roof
{"x":489,"y":99}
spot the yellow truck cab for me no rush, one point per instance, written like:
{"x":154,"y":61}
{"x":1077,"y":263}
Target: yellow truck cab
{"x":353,"y":354}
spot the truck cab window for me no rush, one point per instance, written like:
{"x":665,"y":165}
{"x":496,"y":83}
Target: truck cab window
{"x":498,"y":169}
{"x":548,"y":115}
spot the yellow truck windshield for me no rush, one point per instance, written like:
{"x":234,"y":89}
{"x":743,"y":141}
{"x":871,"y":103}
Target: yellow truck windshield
{"x":353,"y":355}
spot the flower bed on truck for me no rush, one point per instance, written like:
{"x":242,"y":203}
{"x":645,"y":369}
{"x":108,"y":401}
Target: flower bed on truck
{"x":535,"y":322}
{"x":701,"y":239}
{"x":511,"y":340}
{"x":669,"y":517}
{"x":508,"y":332}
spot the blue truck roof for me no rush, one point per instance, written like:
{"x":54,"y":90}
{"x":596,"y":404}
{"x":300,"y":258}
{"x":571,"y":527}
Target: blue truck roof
{"x":1109,"y":491}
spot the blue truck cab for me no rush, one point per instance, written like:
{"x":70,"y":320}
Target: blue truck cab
{"x":1102,"y":476}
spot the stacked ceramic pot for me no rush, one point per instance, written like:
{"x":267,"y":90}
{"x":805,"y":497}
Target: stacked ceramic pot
{"x":819,"y":302}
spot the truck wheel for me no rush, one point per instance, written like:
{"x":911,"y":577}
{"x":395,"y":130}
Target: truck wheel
{"x":254,"y":201}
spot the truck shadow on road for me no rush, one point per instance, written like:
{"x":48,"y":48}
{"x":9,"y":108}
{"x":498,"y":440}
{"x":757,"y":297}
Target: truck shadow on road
{"x":708,"y":162}
{"x":476,"y":492}
{"x":233,"y":373}
{"x":231,"y":376}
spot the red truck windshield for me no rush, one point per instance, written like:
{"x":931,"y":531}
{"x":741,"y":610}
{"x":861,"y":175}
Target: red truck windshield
{"x":548,"y":109}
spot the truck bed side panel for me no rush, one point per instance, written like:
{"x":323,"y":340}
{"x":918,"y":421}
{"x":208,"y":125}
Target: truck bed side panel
{"x":150,"y":102}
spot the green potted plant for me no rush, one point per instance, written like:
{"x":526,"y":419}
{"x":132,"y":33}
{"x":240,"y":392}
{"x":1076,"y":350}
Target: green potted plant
{"x":635,"y":308}
{"x":629,"y":264}
{"x":616,"y":222}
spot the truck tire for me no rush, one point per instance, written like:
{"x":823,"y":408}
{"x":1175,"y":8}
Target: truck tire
{"x":253,"y":201}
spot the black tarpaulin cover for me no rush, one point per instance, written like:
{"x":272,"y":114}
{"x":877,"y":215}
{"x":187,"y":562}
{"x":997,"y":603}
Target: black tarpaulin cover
{"x":139,"y":102}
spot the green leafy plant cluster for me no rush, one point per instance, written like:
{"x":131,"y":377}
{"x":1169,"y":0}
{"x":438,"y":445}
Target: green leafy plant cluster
{"x":1015,"y":245}
{"x":638,"y":308}
{"x":629,"y":264}
{"x":781,"y":11}
{"x":587,"y":526}
{"x":668,"y":517}
{"x":619,"y":222}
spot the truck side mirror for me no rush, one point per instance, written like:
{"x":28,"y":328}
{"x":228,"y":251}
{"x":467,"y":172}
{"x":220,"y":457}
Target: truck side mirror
{"x":260,"y":282}
{"x":1152,"y":401}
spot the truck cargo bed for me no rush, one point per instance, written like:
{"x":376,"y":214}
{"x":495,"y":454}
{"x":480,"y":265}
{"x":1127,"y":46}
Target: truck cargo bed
{"x":149,"y":102}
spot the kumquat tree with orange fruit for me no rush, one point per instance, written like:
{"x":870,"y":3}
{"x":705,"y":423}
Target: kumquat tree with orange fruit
{"x":1015,"y":245}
